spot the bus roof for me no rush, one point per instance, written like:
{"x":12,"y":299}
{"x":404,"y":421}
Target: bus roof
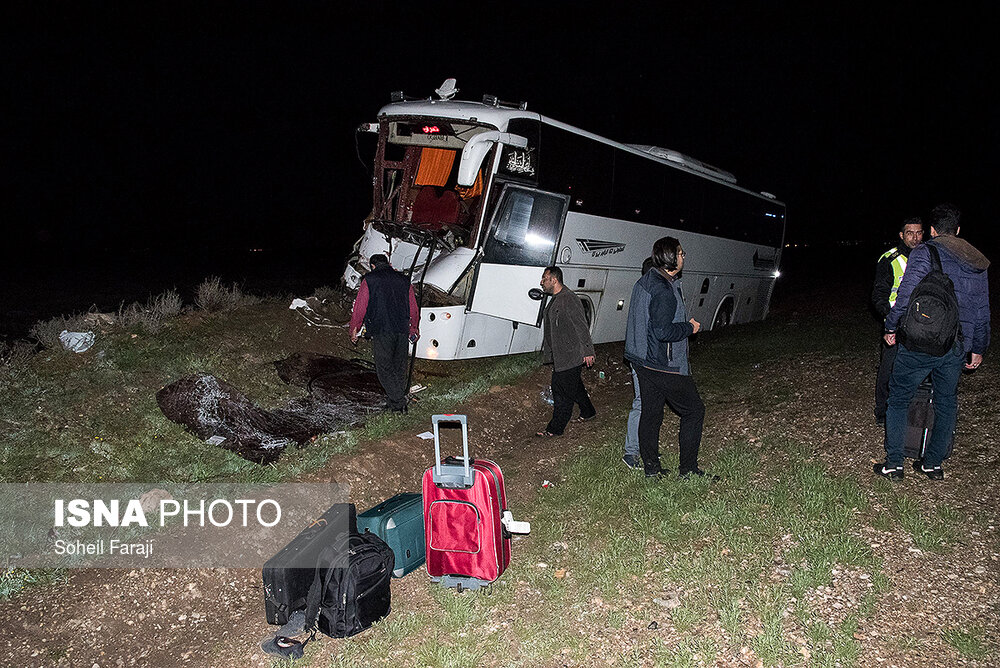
{"x":499,"y":116}
{"x":482,"y":113}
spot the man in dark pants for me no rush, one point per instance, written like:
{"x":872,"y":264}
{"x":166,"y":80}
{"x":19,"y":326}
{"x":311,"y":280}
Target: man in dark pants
{"x":888,"y":276}
{"x":656,"y":343}
{"x":387,"y":306}
{"x":966,"y":267}
{"x":566,"y":345}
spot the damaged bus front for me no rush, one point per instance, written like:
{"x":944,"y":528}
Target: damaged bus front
{"x":433,"y":180}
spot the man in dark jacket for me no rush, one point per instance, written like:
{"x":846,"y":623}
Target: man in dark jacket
{"x":888,"y":275}
{"x":567,"y":346}
{"x":656,"y":343}
{"x":966,"y":267}
{"x":387,"y":307}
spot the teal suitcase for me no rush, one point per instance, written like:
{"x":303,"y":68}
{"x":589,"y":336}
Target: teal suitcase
{"x":399,"y":522}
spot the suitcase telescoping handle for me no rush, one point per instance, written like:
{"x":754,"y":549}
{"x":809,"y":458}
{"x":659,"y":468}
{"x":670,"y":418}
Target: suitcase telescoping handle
{"x":452,"y":475}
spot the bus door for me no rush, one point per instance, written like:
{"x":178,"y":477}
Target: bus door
{"x":521,"y":241}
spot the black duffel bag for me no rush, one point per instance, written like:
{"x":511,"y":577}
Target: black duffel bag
{"x":350,"y":592}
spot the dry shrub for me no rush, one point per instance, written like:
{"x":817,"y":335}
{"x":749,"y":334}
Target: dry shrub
{"x":325,"y":293}
{"x":211,"y":295}
{"x":16,"y":354}
{"x":151,"y":315}
{"x":47,"y":332}
{"x":167,"y":304}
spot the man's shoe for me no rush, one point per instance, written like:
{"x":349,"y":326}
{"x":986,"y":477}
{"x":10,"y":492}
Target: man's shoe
{"x":886,"y":471}
{"x":934,"y":472}
{"x":633,"y":462}
{"x":656,"y":475}
{"x":699,"y":474}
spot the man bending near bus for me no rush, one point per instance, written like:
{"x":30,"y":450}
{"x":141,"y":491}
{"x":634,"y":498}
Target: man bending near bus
{"x":656,"y":343}
{"x":567,"y":346}
{"x":387,"y":307}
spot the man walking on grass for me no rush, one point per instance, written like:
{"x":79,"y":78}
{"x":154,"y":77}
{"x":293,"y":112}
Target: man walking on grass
{"x":966,"y":268}
{"x":656,"y":343}
{"x":387,"y":307}
{"x":567,"y":346}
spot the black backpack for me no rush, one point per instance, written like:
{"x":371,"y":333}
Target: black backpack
{"x":931,"y":323}
{"x":350,"y":591}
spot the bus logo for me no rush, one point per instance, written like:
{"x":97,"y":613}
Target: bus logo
{"x":519,"y":162}
{"x":598,"y":248}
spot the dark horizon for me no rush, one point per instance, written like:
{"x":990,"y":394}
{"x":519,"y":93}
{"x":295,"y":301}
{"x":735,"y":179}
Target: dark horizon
{"x":181,"y":133}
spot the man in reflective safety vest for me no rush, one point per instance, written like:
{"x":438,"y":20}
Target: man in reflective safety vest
{"x":888,"y":275}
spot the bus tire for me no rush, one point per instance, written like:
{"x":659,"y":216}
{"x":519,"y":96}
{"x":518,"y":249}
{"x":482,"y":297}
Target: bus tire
{"x":724,"y":314}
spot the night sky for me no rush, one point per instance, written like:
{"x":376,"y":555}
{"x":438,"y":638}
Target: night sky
{"x":163,"y":127}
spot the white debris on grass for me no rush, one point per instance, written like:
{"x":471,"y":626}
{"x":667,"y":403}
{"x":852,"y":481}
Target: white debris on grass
{"x":77,"y":342}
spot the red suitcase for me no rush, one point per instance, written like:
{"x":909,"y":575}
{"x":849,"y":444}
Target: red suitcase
{"x":466,"y":522}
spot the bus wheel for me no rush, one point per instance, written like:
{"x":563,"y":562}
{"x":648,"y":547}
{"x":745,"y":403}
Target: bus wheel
{"x":724,"y":316}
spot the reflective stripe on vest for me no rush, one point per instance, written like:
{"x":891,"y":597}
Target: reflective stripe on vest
{"x":898,"y":265}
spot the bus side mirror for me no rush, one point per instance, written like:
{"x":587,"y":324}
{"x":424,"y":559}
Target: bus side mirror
{"x":476,"y":150}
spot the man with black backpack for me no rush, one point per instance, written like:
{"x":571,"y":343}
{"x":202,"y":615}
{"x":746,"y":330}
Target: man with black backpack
{"x":941,"y":315}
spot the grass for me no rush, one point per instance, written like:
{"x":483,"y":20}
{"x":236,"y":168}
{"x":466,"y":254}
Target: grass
{"x":713,"y":546}
{"x":970,"y":643}
{"x":680,"y":573}
{"x":931,"y":527}
{"x":747,"y":560}
{"x":93,"y":417}
{"x":13,"y":580}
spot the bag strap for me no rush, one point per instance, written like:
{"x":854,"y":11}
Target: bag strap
{"x":320,"y":583}
{"x":935,"y":257}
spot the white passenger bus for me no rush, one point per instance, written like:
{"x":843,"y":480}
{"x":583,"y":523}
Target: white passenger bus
{"x":493,"y":193}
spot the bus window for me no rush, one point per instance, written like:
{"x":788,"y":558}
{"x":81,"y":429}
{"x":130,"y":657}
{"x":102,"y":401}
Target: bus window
{"x":525,"y":228}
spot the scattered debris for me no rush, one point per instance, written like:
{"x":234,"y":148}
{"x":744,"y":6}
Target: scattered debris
{"x":340,"y":392}
{"x":77,"y":342}
{"x":312,"y":311}
{"x":546,"y":395}
{"x":669,"y":603}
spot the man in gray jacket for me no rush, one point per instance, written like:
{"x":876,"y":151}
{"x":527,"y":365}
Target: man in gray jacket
{"x":566,"y":345}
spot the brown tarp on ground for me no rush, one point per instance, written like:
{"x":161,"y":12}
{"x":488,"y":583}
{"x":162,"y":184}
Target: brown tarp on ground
{"x":341,"y":393}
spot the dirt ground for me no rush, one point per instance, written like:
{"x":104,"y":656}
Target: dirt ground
{"x":215,"y":617}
